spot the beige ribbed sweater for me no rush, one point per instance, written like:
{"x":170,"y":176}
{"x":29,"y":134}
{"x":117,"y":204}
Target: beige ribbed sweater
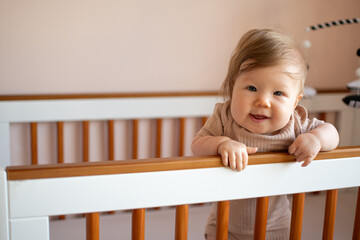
{"x":242,"y":212}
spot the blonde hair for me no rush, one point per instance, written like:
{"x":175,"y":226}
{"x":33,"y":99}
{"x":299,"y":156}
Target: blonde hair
{"x":263,"y":48}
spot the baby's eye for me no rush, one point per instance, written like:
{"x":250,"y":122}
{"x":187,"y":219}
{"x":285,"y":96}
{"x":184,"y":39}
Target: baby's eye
{"x":251,"y":88}
{"x":278,"y":93}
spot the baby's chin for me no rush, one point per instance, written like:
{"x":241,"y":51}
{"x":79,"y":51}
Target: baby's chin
{"x":254,"y":130}
{"x":270,"y":132}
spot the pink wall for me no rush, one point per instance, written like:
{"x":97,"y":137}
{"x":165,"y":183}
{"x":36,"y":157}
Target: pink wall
{"x":83,"y":46}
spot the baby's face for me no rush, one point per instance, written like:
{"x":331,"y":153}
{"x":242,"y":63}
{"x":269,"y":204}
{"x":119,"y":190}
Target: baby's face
{"x":264,"y":99}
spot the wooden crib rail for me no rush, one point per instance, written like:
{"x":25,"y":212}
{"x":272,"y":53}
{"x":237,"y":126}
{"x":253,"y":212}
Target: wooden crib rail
{"x":157,"y":164}
{"x":116,"y":185}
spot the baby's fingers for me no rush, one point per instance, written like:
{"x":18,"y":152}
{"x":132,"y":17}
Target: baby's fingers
{"x":307,"y":161}
{"x":292,"y":148}
{"x":239,"y":164}
{"x":225,"y":158}
{"x":245,"y":159}
{"x":232,"y":161}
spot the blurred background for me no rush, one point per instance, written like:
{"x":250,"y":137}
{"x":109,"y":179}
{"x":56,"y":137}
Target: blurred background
{"x":89,"y":46}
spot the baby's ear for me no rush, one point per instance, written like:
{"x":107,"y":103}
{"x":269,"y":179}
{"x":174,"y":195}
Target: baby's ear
{"x":300,"y":96}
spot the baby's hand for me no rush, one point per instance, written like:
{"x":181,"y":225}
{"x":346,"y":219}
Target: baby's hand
{"x":235,"y":154}
{"x":305,"y":147}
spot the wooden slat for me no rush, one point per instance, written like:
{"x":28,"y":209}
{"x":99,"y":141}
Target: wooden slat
{"x":138,"y":215}
{"x":297,"y":216}
{"x":322,"y":116}
{"x":138,"y":224}
{"x":111,"y":139}
{"x":158,"y":142}
{"x":222,"y":220}
{"x":203,"y":120}
{"x":330,"y":212}
{"x":92,"y":226}
{"x":111,"y":150}
{"x":60,"y":148}
{"x":181,"y":223}
{"x":356,"y":231}
{"x":181,"y":210}
{"x":130,"y":95}
{"x":158,"y":137}
{"x":60,"y":141}
{"x":262,"y":204}
{"x":135,"y":138}
{"x":34,"y":150}
{"x":86,"y":141}
{"x":182,"y":137}
{"x":163,"y":164}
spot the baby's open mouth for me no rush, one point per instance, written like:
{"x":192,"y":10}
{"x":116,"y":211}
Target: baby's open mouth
{"x":258,"y":117}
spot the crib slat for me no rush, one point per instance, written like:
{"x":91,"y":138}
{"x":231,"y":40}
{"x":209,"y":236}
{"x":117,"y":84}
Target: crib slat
{"x":158,"y":137}
{"x":60,"y":148}
{"x":92,"y":226}
{"x":60,"y":141}
{"x":111,"y":144}
{"x":181,"y":223}
{"x":222,"y":220}
{"x":34,"y":153}
{"x":181,"y":210}
{"x":138,"y":224}
{"x":85,"y":126}
{"x":356,"y":231}
{"x":85,"y":141}
{"x":158,"y":142}
{"x":262,"y":204}
{"x":138,"y":215}
{"x":182,"y":137}
{"x":135,"y":138}
{"x":322,"y":116}
{"x":330,"y":212}
{"x":297,"y":216}
{"x":111,"y":139}
{"x":203,"y":120}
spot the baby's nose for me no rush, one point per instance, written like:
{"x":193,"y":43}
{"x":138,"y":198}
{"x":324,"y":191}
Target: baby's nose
{"x":263,"y":101}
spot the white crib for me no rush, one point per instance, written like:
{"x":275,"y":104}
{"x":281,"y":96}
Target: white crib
{"x":93,"y":187}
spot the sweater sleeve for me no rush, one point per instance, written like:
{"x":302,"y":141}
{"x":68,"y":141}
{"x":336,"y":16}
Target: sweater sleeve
{"x":306,"y":124}
{"x":214,"y":125}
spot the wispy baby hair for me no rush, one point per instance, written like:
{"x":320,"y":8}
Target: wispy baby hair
{"x":263,"y":48}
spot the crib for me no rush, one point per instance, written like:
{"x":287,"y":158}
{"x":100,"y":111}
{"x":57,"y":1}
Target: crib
{"x":92,"y":186}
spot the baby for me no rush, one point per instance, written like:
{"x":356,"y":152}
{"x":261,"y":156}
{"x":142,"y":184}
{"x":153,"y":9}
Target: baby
{"x":262,"y":89}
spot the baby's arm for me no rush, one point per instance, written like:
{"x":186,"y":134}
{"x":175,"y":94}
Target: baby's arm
{"x":233,"y":154}
{"x":307,"y":145}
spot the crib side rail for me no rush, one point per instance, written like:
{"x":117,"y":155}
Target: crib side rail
{"x":154,"y":182}
{"x":157,"y":164}
{"x":85,"y":108}
{"x":102,"y":107}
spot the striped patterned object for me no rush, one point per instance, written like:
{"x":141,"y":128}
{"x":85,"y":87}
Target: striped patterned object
{"x":352,"y":101}
{"x":333,"y":24}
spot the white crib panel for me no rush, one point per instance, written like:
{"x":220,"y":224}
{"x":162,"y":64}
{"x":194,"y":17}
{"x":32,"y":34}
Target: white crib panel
{"x":4,"y":144}
{"x":102,"y":109}
{"x":42,"y":197}
{"x":30,"y":228}
{"x":356,"y":131}
{"x":326,"y":102}
{"x":346,"y":127}
{"x":4,"y":211}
